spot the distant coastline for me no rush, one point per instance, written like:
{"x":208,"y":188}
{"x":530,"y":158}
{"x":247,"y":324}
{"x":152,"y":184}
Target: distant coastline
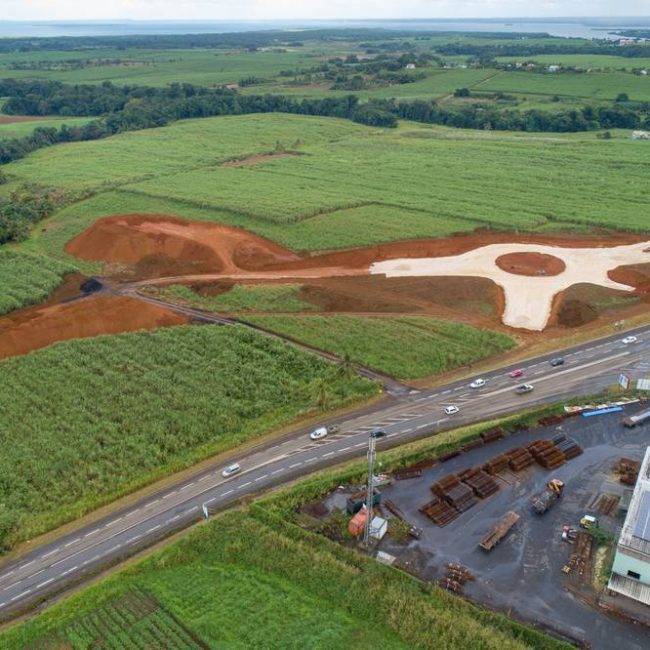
{"x":567,"y":27}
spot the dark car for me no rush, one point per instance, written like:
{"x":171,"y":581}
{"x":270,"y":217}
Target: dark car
{"x":558,"y":361}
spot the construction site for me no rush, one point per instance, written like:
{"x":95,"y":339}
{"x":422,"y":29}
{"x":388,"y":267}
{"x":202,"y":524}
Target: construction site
{"x":521,"y":522}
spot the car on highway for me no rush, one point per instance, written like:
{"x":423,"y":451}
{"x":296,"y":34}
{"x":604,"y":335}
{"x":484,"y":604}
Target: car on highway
{"x":231,"y":470}
{"x":629,"y":339}
{"x":516,"y":373}
{"x":322,"y":432}
{"x":557,"y":361}
{"x":451,"y":409}
{"x":523,"y":389}
{"x":478,"y":383}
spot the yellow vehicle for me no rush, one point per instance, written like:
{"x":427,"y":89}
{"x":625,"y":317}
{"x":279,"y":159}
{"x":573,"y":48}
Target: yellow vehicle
{"x":588,"y":522}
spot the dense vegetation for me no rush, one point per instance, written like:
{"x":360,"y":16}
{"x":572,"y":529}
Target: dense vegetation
{"x":123,"y":410}
{"x":128,"y":108}
{"x":26,"y":279}
{"x":232,"y":581}
{"x":426,"y":346}
{"x":240,"y":298}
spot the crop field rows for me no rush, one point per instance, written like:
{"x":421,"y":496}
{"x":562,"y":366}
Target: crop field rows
{"x":124,"y":410}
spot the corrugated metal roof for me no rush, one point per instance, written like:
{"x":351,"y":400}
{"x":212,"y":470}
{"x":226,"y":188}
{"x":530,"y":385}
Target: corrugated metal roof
{"x":630,"y":588}
{"x":642,"y":523}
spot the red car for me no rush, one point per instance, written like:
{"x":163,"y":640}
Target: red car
{"x":516,"y":373}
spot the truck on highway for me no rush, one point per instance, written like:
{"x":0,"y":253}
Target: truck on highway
{"x":499,"y":531}
{"x":639,"y":418}
{"x":545,"y":500}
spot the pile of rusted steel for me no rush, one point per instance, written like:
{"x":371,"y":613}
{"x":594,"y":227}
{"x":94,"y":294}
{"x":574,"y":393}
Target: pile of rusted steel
{"x":456,"y":576}
{"x":496,"y":464}
{"x":439,"y":511}
{"x":546,"y":454}
{"x":481,"y":483}
{"x":568,"y":446}
{"x":628,"y":470}
{"x":454,"y":492}
{"x":519,"y":458}
{"x":492,"y":434}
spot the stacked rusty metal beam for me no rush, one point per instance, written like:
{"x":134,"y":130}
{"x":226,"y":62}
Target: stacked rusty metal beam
{"x":439,"y":511}
{"x":496,"y":464}
{"x":546,"y":454}
{"x":454,"y":492}
{"x":569,"y":447}
{"x":519,"y":458}
{"x":481,"y":483}
{"x":492,"y":435}
{"x":628,"y":470}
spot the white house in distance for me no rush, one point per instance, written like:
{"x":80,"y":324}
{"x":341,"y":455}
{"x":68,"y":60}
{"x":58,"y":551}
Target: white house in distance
{"x":631,"y":570}
{"x":553,"y":68}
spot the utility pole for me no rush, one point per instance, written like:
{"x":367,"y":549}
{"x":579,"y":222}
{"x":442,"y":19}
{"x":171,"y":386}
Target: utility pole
{"x":372,"y":443}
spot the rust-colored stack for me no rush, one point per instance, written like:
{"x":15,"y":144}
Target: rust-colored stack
{"x":455,"y":493}
{"x":492,"y":434}
{"x":439,"y":511}
{"x":481,"y":483}
{"x":546,"y":454}
{"x":473,"y":444}
{"x":550,"y":420}
{"x":496,"y":464}
{"x":519,"y":458}
{"x":628,"y":470}
{"x":569,"y":447}
{"x":449,"y":455}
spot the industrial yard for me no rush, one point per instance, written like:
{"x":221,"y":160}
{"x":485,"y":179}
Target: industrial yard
{"x":528,"y":570}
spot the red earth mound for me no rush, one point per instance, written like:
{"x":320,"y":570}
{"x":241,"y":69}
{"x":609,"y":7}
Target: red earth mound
{"x":159,"y":245}
{"x":37,"y":327}
{"x":530,"y":264}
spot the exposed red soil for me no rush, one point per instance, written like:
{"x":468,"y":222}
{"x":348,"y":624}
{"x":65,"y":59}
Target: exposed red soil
{"x":12,"y":119}
{"x":158,"y":245}
{"x":635,"y":275}
{"x":533,"y":264}
{"x":37,"y":327}
{"x":259,"y":158}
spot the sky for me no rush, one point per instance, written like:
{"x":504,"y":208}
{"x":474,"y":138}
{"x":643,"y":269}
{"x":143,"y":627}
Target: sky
{"x":311,"y":9}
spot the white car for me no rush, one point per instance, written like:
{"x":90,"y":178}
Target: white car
{"x":478,"y":383}
{"x":231,"y":470}
{"x":318,"y":434}
{"x":451,"y":409}
{"x":629,"y":339}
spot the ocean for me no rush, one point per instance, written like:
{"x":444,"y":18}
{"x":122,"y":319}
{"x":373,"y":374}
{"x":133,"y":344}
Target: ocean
{"x":575,"y":27}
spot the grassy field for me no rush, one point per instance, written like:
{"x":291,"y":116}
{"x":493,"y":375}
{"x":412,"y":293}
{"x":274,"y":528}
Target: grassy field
{"x":408,"y":347}
{"x":231,"y":582}
{"x":241,"y":298}
{"x":20,"y":129}
{"x":592,"y":86}
{"x":27,"y":279}
{"x":353,"y":185}
{"x":584,"y":61}
{"x":124,"y":410}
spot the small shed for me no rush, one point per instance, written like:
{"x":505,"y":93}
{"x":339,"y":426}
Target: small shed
{"x":378,"y":528}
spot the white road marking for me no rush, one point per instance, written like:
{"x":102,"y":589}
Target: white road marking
{"x":243,"y":485}
{"x":225,"y":493}
{"x":44,"y":583}
{"x":24,"y":593}
{"x":295,"y":465}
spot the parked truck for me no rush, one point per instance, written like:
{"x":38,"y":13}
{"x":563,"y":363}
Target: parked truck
{"x":499,"y":531}
{"x":545,"y":500}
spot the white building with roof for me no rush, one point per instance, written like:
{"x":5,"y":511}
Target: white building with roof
{"x":631,"y":569}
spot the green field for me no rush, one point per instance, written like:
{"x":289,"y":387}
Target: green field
{"x":408,"y":347}
{"x":262,"y":577}
{"x":27,"y":279}
{"x":21,"y":129}
{"x":590,"y":86}
{"x":241,"y":298}
{"x":583,"y":61}
{"x":124,"y":410}
{"x":354,"y":184}
{"x":205,"y":67}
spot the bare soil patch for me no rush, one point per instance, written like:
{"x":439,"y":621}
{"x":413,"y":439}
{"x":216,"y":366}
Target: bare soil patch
{"x":149,"y":246}
{"x":532,"y":264}
{"x":37,"y":327}
{"x":12,"y":119}
{"x":258,"y":159}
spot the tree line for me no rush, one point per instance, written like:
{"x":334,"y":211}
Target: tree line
{"x":490,"y":51}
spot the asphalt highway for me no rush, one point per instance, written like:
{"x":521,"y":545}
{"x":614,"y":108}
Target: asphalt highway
{"x":55,"y":566}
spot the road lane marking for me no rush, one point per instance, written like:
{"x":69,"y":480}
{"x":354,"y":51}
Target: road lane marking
{"x":44,"y":583}
{"x":24,"y":593}
{"x":295,"y":465}
{"x":243,"y":485}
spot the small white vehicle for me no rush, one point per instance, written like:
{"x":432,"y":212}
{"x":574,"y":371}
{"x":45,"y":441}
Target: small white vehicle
{"x":478,"y":383}
{"x":629,"y":339}
{"x":231,"y":470}
{"x":451,"y":409}
{"x":318,"y":434}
